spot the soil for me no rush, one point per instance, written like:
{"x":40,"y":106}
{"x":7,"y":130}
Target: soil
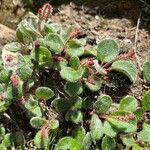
{"x":119,"y":23}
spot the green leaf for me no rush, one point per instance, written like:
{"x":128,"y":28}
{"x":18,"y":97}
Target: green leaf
{"x":79,"y":134}
{"x":87,"y":141}
{"x":146,"y":101}
{"x":13,"y":47}
{"x":26,"y":30}
{"x":125,"y":67}
{"x":71,"y":75}
{"x":37,"y":122}
{"x":54,"y":42}
{"x":139,"y":113}
{"x":68,"y":143}
{"x":107,"y":50}
{"x":144,"y":135}
{"x":73,"y":89}
{"x":8,"y":141}
{"x":102,"y":104}
{"x":3,"y":106}
{"x":4,"y":76}
{"x":94,"y":87}
{"x":32,"y":106}
{"x":74,"y":62}
{"x":108,"y":143}
{"x":74,"y":116}
{"x":109,"y":130}
{"x":117,"y":121}
{"x":128,"y":103}
{"x":44,"y":93}
{"x":128,"y":140}
{"x":60,"y":104}
{"x":2,"y":147}
{"x":96,"y":128}
{"x":25,"y":72}
{"x":44,"y":55}
{"x":2,"y":132}
{"x":51,"y":28}
{"x":54,"y":124}
{"x":146,"y":71}
{"x":75,"y":102}
{"x":99,"y":69}
{"x":75,"y":47}
{"x":41,"y":139}
{"x":137,"y":147}
{"x":59,"y":65}
{"x":92,"y":52}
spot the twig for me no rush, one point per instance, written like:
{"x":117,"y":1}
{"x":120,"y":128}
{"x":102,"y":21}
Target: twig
{"x":148,"y":5}
{"x":135,"y":42}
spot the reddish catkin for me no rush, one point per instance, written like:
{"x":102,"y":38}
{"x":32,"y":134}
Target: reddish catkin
{"x":14,"y":79}
{"x":130,"y":54}
{"x":9,"y":58}
{"x":58,"y":58}
{"x":45,"y":11}
{"x":44,"y":130}
{"x":75,"y":33}
{"x":126,"y":117}
{"x":91,"y":80}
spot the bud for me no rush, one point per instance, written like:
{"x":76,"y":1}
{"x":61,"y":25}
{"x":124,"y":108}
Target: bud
{"x":14,"y":79}
{"x":58,"y":58}
{"x":22,"y":100}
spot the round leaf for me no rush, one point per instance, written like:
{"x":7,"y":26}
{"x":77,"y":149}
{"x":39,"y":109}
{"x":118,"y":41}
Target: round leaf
{"x":54,"y":124}
{"x":103,"y":104}
{"x":96,"y":128}
{"x":75,"y":48}
{"x":68,"y":143}
{"x":74,"y":62}
{"x":37,"y":122}
{"x":60,"y":104}
{"x":128,"y":103}
{"x":79,"y":134}
{"x":24,"y":72}
{"x":41,"y":140}
{"x":121,"y":125}
{"x":108,"y":143}
{"x":71,"y":75}
{"x":109,"y":130}
{"x":75,"y":116}
{"x":54,"y":42}
{"x":144,"y":135}
{"x":107,"y":50}
{"x":125,"y":67}
{"x":146,"y":101}
{"x":4,"y":76}
{"x":73,"y":89}
{"x":44,"y":93}
{"x":13,"y":47}
{"x":146,"y":71}
{"x":94,"y":87}
{"x":87,"y":141}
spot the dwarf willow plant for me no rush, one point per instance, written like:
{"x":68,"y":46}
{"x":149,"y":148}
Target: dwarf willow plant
{"x":56,"y":83}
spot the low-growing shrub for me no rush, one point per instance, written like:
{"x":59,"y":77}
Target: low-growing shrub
{"x":51,"y":94}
